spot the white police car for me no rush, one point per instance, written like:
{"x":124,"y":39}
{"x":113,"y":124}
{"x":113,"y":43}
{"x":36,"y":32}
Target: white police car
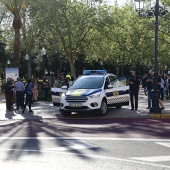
{"x":95,"y":90}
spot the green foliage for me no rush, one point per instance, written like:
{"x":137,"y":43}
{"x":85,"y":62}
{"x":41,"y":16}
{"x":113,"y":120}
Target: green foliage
{"x":75,"y":31}
{"x":3,"y":85}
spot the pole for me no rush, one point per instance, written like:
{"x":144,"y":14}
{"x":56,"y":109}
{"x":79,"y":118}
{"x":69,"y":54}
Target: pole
{"x":155,"y":93}
{"x":27,"y":69}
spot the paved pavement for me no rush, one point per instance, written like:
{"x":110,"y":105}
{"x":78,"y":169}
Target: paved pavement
{"x":46,"y":110}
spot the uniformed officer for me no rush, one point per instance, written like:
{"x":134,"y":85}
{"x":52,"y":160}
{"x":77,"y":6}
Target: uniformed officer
{"x":134,"y":82}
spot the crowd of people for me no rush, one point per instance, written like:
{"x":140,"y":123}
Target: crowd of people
{"x":147,"y":84}
{"x":23,"y":94}
{"x":17,"y":92}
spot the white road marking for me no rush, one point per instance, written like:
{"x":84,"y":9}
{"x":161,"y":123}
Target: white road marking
{"x":139,"y":160}
{"x":153,"y":159}
{"x":76,"y":145}
{"x":95,"y":156}
{"x":85,"y":138}
{"x":167,"y":144}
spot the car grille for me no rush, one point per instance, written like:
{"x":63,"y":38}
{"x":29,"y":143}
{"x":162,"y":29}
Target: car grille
{"x":77,"y":108}
{"x":76,"y":99}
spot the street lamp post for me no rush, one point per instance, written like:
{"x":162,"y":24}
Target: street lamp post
{"x":8,"y":62}
{"x":154,"y":11}
{"x":102,"y":65}
{"x":28,"y":66}
{"x":94,"y":59}
{"x":43,"y":53}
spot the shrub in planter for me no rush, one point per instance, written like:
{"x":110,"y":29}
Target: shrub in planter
{"x":41,"y":94}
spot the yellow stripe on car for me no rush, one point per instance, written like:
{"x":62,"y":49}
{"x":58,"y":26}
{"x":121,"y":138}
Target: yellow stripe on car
{"x":78,"y":92}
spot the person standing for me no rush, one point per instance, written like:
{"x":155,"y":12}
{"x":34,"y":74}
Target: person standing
{"x":166,"y":87}
{"x":134,"y":82}
{"x":19,"y":89}
{"x":160,"y":88}
{"x":46,"y":87}
{"x":29,"y":94}
{"x":149,"y":83}
{"x":144,"y":84}
{"x":8,"y":93}
{"x":35,"y":90}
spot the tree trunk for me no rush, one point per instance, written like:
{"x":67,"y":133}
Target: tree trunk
{"x":117,"y":70}
{"x":72,"y":68}
{"x":17,"y":27}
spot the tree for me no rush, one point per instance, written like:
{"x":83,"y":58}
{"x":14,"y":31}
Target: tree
{"x":15,"y":7}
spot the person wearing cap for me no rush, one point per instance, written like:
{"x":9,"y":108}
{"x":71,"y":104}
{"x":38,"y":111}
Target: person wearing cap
{"x":69,"y":78}
{"x":134,"y":83}
{"x":19,"y":90}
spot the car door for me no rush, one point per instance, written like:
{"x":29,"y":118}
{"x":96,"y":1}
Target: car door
{"x":56,"y":95}
{"x":118,"y":94}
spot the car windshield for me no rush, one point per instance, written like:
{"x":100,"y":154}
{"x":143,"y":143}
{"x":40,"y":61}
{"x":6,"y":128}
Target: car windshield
{"x":88,"y":82}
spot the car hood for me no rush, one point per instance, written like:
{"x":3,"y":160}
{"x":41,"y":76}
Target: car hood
{"x":82,"y":92}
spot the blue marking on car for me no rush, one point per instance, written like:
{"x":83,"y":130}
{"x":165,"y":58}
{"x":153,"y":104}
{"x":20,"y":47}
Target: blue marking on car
{"x":109,"y":94}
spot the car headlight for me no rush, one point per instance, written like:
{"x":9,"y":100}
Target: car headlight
{"x":96,"y":95}
{"x":63,"y":95}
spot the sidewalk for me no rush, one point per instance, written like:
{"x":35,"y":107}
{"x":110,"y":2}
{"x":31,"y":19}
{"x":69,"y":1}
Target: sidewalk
{"x":46,"y":110}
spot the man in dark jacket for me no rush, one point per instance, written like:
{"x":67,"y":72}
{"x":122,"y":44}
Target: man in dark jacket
{"x":8,"y":93}
{"x":144,"y":85}
{"x":134,"y":82}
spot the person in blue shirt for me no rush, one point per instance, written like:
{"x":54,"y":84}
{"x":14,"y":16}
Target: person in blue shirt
{"x":19,"y":89}
{"x":28,"y":90}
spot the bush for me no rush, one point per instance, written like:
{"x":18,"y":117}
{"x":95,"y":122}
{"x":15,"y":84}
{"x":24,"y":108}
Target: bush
{"x":3,"y":85}
{"x":41,"y":94}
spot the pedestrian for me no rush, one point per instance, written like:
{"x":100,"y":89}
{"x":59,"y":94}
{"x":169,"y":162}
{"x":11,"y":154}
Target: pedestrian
{"x":8,"y":93}
{"x":166,"y":87}
{"x":61,"y":80}
{"x":29,"y":93}
{"x":19,"y":90}
{"x":149,"y":83}
{"x":134,"y":83}
{"x":46,"y":87}
{"x":160,"y":88}
{"x":35,"y":90}
{"x":13,"y":100}
{"x":144,"y":85}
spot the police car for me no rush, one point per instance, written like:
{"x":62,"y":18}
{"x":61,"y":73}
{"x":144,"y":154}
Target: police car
{"x":95,"y":90}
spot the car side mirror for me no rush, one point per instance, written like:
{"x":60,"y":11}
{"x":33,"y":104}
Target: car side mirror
{"x":64,"y":87}
{"x":110,"y":86}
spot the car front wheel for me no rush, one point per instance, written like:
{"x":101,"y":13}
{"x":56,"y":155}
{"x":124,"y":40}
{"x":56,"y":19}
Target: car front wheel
{"x":103,"y":108}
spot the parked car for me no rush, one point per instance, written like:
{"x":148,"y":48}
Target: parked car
{"x":95,"y":90}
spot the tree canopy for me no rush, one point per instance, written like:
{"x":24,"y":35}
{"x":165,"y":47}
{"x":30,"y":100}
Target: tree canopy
{"x":86,"y":33}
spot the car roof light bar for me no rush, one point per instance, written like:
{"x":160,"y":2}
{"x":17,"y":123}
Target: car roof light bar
{"x":88,"y":72}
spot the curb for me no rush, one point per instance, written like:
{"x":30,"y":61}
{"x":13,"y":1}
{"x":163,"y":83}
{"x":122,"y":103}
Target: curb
{"x":160,"y":116}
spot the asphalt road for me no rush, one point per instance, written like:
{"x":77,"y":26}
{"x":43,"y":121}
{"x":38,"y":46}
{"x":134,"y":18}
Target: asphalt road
{"x":84,"y":153}
{"x":46,"y":140}
{"x":128,"y":144}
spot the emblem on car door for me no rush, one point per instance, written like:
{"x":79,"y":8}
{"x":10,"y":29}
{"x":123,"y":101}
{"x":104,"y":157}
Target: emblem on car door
{"x":115,"y":93}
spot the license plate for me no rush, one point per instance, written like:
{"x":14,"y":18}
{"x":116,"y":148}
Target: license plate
{"x":75,"y":105}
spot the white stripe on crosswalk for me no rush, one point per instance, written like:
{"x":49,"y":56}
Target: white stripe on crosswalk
{"x":153,"y":159}
{"x":167,"y":144}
